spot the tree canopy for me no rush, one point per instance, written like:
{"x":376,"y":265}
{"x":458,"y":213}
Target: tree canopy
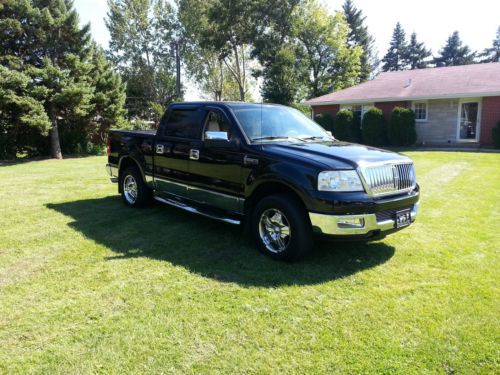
{"x":359,"y":36}
{"x":416,"y":54}
{"x":395,"y":58}
{"x":59,"y":70}
{"x":492,"y":54}
{"x":454,"y":53}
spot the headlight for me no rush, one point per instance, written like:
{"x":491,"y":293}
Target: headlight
{"x":339,"y":181}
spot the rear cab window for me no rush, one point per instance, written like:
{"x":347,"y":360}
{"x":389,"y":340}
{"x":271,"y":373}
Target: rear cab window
{"x":183,"y":123}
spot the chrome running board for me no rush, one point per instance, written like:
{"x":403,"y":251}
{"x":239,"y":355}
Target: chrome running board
{"x":194,"y":210}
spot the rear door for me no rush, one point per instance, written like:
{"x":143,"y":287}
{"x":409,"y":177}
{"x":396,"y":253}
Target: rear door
{"x":180,"y":127}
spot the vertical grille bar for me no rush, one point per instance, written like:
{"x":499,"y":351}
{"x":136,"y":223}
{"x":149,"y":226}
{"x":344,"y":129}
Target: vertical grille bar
{"x":390,"y":178}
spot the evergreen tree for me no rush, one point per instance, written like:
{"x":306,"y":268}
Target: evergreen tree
{"x":42,"y":40}
{"x":394,"y":59}
{"x":359,"y":36}
{"x":492,"y":54}
{"x":416,"y":54}
{"x":454,"y":53}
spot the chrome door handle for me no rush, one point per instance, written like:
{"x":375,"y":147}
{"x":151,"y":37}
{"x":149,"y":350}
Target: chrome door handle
{"x":194,"y":154}
{"x":160,"y":149}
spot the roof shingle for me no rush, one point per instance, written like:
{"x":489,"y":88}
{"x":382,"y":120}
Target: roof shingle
{"x":453,"y":81}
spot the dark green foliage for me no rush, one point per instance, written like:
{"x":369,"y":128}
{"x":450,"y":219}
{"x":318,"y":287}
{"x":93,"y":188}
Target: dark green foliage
{"x":346,"y":126}
{"x":395,"y":57}
{"x":492,"y":54}
{"x":496,"y":135}
{"x":325,"y":120}
{"x":374,"y":130}
{"x":22,"y":116}
{"x":416,"y":54}
{"x":54,"y":81}
{"x":359,"y":36}
{"x":453,"y":53}
{"x":401,"y":130}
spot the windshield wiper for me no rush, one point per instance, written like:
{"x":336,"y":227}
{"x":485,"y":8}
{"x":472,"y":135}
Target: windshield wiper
{"x":313,"y":138}
{"x":270,"y":138}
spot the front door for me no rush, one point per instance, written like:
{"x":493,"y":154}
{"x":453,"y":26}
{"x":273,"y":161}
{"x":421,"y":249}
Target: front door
{"x":468,"y":120}
{"x":216,"y":172}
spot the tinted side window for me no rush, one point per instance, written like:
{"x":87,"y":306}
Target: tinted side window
{"x":216,"y":122}
{"x":184,"y":123}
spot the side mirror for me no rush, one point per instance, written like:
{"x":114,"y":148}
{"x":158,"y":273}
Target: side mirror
{"x":217,"y":140}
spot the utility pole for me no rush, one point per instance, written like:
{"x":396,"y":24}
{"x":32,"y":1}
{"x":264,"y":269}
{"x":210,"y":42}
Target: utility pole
{"x":177,"y":69}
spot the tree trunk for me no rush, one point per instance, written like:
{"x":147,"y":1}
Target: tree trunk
{"x":55,"y":144}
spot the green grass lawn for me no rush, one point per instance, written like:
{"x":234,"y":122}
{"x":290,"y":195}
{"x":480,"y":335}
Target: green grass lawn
{"x":88,"y":285}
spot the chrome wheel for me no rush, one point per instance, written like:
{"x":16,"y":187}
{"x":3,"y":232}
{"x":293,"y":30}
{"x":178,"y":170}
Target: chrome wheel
{"x":274,"y":230}
{"x":130,"y":189}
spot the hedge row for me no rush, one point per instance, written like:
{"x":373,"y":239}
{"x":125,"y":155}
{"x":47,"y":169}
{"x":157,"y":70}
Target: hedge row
{"x":373,"y":129}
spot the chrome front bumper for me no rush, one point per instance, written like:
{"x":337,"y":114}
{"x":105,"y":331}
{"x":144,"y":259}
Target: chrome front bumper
{"x":113,"y":172}
{"x":338,"y":225}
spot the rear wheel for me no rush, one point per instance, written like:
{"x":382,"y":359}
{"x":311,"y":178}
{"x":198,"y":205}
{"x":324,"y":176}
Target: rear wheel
{"x":135,"y":193}
{"x":281,"y":228}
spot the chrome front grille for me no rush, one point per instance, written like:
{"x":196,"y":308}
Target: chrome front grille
{"x":389,"y":178}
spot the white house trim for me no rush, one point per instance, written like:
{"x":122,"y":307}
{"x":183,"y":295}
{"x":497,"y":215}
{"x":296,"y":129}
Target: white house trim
{"x":478,"y":122}
{"x":404,"y":98}
{"x":426,"y":102}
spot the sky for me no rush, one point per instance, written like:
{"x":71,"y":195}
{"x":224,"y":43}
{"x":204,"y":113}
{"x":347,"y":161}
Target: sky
{"x":432,"y":20}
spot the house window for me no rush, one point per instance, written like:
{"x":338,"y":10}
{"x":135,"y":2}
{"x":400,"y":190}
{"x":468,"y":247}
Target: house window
{"x":358,"y":110}
{"x":420,"y":109}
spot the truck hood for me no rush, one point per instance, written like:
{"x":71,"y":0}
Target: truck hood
{"x":335,"y":154}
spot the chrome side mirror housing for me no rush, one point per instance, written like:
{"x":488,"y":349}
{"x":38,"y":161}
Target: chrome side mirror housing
{"x":220,"y":136}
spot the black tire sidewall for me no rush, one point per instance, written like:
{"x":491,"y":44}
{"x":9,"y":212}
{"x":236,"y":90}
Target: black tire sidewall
{"x":300,"y":226}
{"x":142,"y":189}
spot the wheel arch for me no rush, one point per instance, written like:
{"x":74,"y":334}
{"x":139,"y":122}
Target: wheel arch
{"x":126,"y":162}
{"x":271,"y":187}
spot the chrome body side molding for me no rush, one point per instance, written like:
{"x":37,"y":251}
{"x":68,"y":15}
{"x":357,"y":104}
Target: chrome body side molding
{"x":211,"y":198}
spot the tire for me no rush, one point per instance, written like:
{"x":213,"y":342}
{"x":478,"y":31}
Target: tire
{"x":135,"y":193}
{"x":281,"y":228}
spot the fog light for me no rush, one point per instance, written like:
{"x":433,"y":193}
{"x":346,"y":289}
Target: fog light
{"x":351,"y":223}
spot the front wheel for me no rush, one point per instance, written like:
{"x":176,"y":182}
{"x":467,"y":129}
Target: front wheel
{"x":134,"y":191}
{"x":281,"y":228}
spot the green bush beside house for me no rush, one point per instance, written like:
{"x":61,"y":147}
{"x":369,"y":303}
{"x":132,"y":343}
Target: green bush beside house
{"x":347,"y":127}
{"x":374,"y":130}
{"x":496,"y":135}
{"x":325,"y":120}
{"x":401,"y":130}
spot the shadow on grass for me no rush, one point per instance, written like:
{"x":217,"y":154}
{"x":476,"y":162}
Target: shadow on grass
{"x":210,"y":248}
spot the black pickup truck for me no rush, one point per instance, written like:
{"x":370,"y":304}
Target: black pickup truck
{"x":269,"y":168}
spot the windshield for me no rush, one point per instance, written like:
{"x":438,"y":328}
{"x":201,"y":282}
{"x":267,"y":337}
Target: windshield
{"x":267,"y":123}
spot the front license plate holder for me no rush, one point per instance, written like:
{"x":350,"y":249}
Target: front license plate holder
{"x":403,"y":218}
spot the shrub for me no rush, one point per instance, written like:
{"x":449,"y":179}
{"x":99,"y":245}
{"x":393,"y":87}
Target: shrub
{"x":496,"y":135}
{"x":346,"y":126}
{"x":373,"y":128}
{"x":305,"y":109}
{"x":325,"y":120}
{"x":401,"y":130}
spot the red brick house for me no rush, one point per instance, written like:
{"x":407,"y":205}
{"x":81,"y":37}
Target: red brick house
{"x":453,"y":105}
